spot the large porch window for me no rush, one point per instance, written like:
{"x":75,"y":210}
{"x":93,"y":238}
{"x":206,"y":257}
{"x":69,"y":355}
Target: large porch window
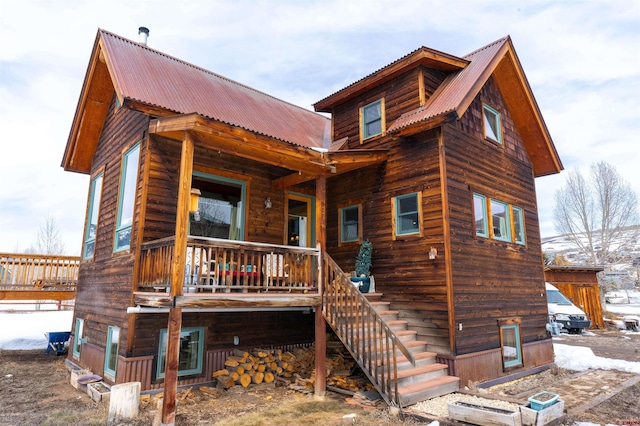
{"x":191,"y":351}
{"x":220,"y":207}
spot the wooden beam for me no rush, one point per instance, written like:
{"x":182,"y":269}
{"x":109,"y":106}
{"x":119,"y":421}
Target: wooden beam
{"x":446,"y":221}
{"x":241,"y":142}
{"x":320,"y":325}
{"x":228,"y":300}
{"x":171,"y":366}
{"x":37,"y":295}
{"x":177,"y":283}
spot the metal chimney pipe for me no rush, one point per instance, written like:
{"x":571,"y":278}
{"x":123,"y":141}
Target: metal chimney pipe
{"x":143,"y":33}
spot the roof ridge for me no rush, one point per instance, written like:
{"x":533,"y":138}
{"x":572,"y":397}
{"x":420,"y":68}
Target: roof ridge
{"x":206,"y":71}
{"x":500,"y":40}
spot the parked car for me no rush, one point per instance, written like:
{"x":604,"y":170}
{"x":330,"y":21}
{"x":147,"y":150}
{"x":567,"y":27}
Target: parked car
{"x":564,"y":313}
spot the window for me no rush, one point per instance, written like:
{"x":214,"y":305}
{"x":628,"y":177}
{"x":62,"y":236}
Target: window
{"x":191,"y":351}
{"x":518,"y":225}
{"x":126,"y":198}
{"x":506,"y":224}
{"x":480,"y":213}
{"x":220,"y":207}
{"x":92,"y":218}
{"x":500,"y":221}
{"x":407,"y":213}
{"x":492,"y":128}
{"x":372,"y":119}
{"x":510,"y":343}
{"x":78,"y":339}
{"x":111,"y":351}
{"x":350,"y":220}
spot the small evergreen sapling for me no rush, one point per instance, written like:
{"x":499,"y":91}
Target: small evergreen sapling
{"x":363,"y":260}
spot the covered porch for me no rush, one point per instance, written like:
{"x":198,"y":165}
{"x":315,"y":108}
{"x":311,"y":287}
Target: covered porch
{"x":235,"y":274}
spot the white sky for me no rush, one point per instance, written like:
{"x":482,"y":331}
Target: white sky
{"x":581,"y":57}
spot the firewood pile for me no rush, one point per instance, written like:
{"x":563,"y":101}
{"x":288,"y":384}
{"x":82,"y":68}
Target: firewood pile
{"x":293,"y":368}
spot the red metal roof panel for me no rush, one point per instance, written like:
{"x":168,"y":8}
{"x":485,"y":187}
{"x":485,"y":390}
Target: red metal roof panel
{"x":154,"y":78}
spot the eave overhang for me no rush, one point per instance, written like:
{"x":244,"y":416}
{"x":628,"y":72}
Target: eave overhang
{"x":305,"y":163}
{"x":424,"y":56}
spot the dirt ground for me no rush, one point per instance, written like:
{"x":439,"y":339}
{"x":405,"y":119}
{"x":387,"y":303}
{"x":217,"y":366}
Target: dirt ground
{"x":35,"y":390}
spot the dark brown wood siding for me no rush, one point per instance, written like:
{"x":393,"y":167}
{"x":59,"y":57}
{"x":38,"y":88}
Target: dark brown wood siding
{"x":400,"y":94}
{"x":492,"y":280}
{"x":401,"y":267}
{"x":105,"y":282}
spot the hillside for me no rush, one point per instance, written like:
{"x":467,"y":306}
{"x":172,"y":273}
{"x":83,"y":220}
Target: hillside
{"x":621,"y":265}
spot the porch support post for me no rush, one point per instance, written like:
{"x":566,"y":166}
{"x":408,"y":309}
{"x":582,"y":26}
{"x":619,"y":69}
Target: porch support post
{"x":177,"y":281}
{"x":321,"y":328}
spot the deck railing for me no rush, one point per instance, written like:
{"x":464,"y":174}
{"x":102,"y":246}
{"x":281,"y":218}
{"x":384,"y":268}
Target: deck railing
{"x":22,"y":272}
{"x":363,"y":331}
{"x":218,"y":265}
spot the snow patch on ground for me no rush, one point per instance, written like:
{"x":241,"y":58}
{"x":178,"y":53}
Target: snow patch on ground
{"x":579,"y":358}
{"x":27,"y":330}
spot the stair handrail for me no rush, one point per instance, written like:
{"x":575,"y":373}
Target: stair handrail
{"x":343,"y":304}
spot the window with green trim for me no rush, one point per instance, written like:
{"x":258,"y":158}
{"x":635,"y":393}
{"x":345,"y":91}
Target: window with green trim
{"x":500,"y":220}
{"x":480,"y":213}
{"x":518,"y":225}
{"x":126,"y":198}
{"x":111,"y":351}
{"x":492,"y":126}
{"x":407,"y":213}
{"x":191,"y":351}
{"x":372,"y":119}
{"x":350,"y":223}
{"x":511,"y":345}
{"x":77,"y":339}
{"x":92,"y":218}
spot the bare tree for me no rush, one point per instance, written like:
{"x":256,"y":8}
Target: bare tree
{"x":593,"y":213}
{"x":48,"y":240}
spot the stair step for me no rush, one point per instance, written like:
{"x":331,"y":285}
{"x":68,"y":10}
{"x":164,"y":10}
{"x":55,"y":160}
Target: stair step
{"x":422,"y":358}
{"x":416,"y":392}
{"x":416,"y":346}
{"x":380,"y":306}
{"x":421,"y":374}
{"x":397,"y":325}
{"x":389,"y":315}
{"x":406,"y":335}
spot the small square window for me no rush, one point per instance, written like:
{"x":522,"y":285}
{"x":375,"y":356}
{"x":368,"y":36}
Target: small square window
{"x":518,"y":225}
{"x":191,"y":351}
{"x":480,"y":214}
{"x":500,"y":221}
{"x":407,"y":214}
{"x":511,"y":345}
{"x":111,"y":351}
{"x":350,"y":224}
{"x":492,"y":127}
{"x":372,"y":119}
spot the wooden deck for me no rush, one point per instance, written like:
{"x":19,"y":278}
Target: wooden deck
{"x":38,"y":277}
{"x":229,"y":274}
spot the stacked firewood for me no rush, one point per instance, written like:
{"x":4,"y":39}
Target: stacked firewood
{"x":295,"y":368}
{"x":258,"y":366}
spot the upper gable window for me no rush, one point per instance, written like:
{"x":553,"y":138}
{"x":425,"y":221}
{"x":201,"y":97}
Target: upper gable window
{"x":492,"y":125}
{"x":126,"y":198}
{"x":372,"y":119}
{"x":92,"y":218}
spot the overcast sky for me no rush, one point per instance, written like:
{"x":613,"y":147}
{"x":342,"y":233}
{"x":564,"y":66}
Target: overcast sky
{"x":582,"y":60}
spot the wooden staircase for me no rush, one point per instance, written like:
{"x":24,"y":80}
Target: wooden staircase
{"x":400,"y":367}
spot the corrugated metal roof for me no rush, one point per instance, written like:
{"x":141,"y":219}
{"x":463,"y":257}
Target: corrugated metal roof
{"x":455,"y":89}
{"x":154,"y":78}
